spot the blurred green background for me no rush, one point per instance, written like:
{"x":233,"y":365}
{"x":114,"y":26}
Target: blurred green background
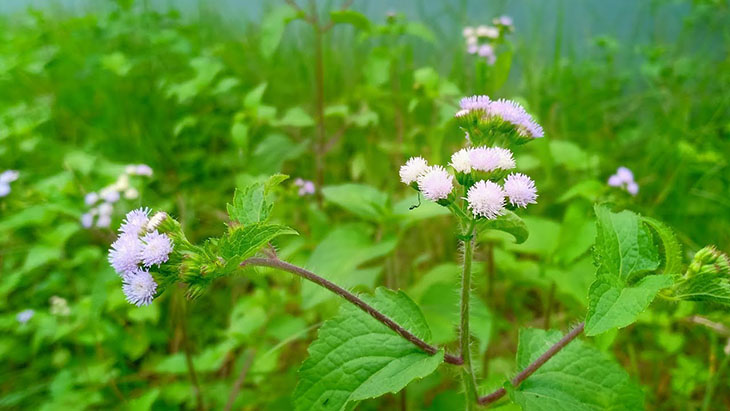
{"x":212,"y":95}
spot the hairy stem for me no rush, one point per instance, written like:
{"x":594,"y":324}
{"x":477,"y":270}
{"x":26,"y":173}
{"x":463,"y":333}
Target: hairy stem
{"x":539,"y":362}
{"x":464,"y":335}
{"x":352,"y":298}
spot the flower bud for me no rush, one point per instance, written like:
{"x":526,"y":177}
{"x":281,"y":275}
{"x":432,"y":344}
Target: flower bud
{"x":709,"y":260}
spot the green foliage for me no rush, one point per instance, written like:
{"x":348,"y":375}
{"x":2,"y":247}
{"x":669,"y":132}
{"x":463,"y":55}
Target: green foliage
{"x":579,"y":377}
{"x":355,"y":357}
{"x":624,"y":250}
{"x":508,"y":222}
{"x":709,"y":287}
{"x":250,"y":204}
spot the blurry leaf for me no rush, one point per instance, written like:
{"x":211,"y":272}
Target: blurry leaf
{"x":338,"y":258}
{"x":271,"y":153}
{"x":624,"y":249}
{"x":501,"y":69}
{"x":588,"y":189}
{"x":239,"y":134}
{"x":117,"y":63}
{"x":421,"y":31}
{"x":225,"y":85}
{"x":272,"y":28}
{"x":337,"y":110}
{"x":352,"y":17}
{"x":508,"y":222}
{"x":362,"y":200}
{"x":571,"y":156}
{"x":428,"y":209}
{"x":578,"y":377}
{"x":144,"y":403}
{"x":253,"y":97}
{"x":577,"y":234}
{"x":295,"y":117}
{"x":377,"y":68}
{"x":40,"y":255}
{"x":356,"y":357}
{"x":186,"y":122}
{"x":246,"y":318}
{"x":575,"y":280}
{"x":80,"y":161}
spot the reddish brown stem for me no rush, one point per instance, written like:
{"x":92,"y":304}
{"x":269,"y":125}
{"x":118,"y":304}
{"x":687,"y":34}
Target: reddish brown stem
{"x":308,"y":275}
{"x":539,"y":362}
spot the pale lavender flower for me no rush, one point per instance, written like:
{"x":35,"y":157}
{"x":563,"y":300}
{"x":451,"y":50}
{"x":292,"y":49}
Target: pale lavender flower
{"x":474,"y":103}
{"x":436,"y":183}
{"x":91,"y":198}
{"x":520,"y":189}
{"x":503,"y":21}
{"x":104,"y":221}
{"x":306,"y":187}
{"x":484,"y":159}
{"x":144,"y":170}
{"x":615,"y":181}
{"x":105,"y":209}
{"x":4,"y":189}
{"x":486,"y":199}
{"x":124,"y":254}
{"x":625,"y":175}
{"x":139,"y":288}
{"x":487,"y":51}
{"x":632,"y":188}
{"x":412,"y":169}
{"x":516,"y":115}
{"x":156,"y":249}
{"x":156,"y":220}
{"x":109,"y":195}
{"x":624,"y":178}
{"x":25,"y":315}
{"x":461,"y":161}
{"x":505,"y":159}
{"x":468,"y":32}
{"x":135,"y":221}
{"x":8,"y":176}
{"x":472,"y":48}
{"x":87,"y":220}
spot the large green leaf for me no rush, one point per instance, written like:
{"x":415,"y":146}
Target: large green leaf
{"x":579,"y":377}
{"x":624,"y":251}
{"x":356,"y":357}
{"x":508,"y":222}
{"x":360,"y":199}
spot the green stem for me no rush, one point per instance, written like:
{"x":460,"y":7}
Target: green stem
{"x":464,"y":335}
{"x":712,"y":382}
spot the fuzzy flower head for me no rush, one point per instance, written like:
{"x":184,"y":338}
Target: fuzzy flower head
{"x":513,"y":113}
{"x":412,"y":169}
{"x":520,"y":189}
{"x":484,"y":159}
{"x":156,"y":249}
{"x":306,"y":187}
{"x":25,"y":316}
{"x":7,"y":177}
{"x":124,"y":254}
{"x":461,"y":161}
{"x":156,"y":220}
{"x":474,"y":103}
{"x":139,"y":288}
{"x":436,"y":183}
{"x":486,"y":199}
{"x":505,"y":160}
{"x":624,"y":178}
{"x":135,"y":221}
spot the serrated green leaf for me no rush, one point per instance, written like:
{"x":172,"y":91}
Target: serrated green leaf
{"x":250,"y":204}
{"x":352,"y":17}
{"x":579,"y":377}
{"x":624,"y":251}
{"x":672,"y":248}
{"x":510,"y":223}
{"x":356,"y":357}
{"x":708,"y":287}
{"x":243,"y":242}
{"x":612,"y":306}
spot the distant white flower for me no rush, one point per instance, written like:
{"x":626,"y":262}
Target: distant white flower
{"x":139,"y":288}
{"x":109,"y":194}
{"x":104,"y":220}
{"x":156,"y":249}
{"x":105,"y":209}
{"x":144,"y":170}
{"x":25,"y":315}
{"x":131,"y":193}
{"x":135,"y":221}
{"x":472,"y":41}
{"x":624,"y":178}
{"x":130,"y":169}
{"x":59,"y":306}
{"x":8,"y":176}
{"x":487,"y":51}
{"x":156,"y":220}
{"x":520,"y":189}
{"x":87,"y":220}
{"x":472,"y":49}
{"x":503,"y":21}
{"x":468,"y":32}
{"x":486,"y":199}
{"x":306,"y":187}
{"x":461,"y":161}
{"x":484,"y":159}
{"x":632,"y":188}
{"x":414,"y":167}
{"x":124,"y":254}
{"x":505,"y":160}
{"x":91,"y":198}
{"x":488,"y":32}
{"x":436,"y":183}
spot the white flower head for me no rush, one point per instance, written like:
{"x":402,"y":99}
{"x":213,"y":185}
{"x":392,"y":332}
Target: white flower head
{"x":156,"y":220}
{"x":87,"y":220}
{"x":131,"y":193}
{"x":91,"y":198}
{"x":505,"y":160}
{"x":484,"y":159}
{"x":632,"y":188}
{"x":139,"y":288}
{"x":104,"y":220}
{"x":124,"y":254}
{"x":109,"y":194}
{"x":105,"y":209}
{"x":520,"y":189}
{"x":474,"y":103}
{"x":436,"y":183}
{"x":468,"y":32}
{"x":486,"y":199}
{"x":122,"y":183}
{"x":8,"y":176}
{"x":144,"y":170}
{"x":156,"y":249}
{"x":412,"y":169}
{"x":461,"y":161}
{"x":135,"y":221}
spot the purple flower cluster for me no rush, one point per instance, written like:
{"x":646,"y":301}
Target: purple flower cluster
{"x":306,"y":187}
{"x":481,"y":40}
{"x":102,"y":203}
{"x":7,"y":177}
{"x":139,"y":247}
{"x":624,"y":179}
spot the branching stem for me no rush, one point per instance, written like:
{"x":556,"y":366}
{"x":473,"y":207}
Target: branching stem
{"x":539,"y":362}
{"x":352,"y":298}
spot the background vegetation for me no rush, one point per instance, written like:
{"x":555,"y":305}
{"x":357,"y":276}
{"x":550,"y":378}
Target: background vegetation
{"x":211,"y":106}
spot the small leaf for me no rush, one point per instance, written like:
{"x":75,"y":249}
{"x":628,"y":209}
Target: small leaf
{"x":508,"y":222}
{"x":253,"y":97}
{"x":243,"y":242}
{"x":356,"y":357}
{"x":708,"y":287}
{"x":352,"y":17}
{"x":239,"y":133}
{"x":250,"y":204}
{"x":672,"y":248}
{"x":578,"y":377}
